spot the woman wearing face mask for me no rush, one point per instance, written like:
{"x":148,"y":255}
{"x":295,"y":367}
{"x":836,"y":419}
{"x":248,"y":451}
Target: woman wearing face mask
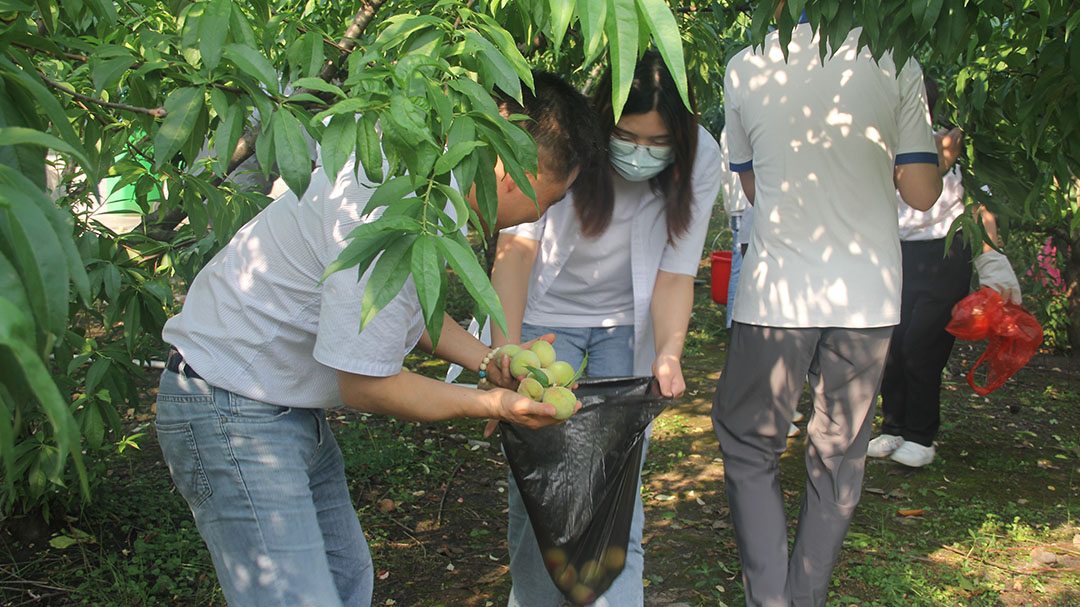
{"x":611,"y":272}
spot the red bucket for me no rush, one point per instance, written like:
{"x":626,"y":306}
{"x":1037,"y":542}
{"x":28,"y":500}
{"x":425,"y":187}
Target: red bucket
{"x":721,"y":275}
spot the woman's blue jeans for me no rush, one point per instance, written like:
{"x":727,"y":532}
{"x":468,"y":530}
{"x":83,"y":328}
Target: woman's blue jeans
{"x":267,"y":487}
{"x":611,"y":354}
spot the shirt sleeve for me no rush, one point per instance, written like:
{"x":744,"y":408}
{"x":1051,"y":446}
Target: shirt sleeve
{"x":379,"y":350}
{"x":916,"y":135}
{"x":533,"y":230}
{"x":740,"y":152}
{"x":684,"y":255}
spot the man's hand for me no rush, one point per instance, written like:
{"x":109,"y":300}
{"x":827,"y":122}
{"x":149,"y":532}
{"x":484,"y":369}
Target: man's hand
{"x":668,"y":371}
{"x":522,"y":410}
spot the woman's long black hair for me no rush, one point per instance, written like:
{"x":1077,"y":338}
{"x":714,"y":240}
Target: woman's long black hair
{"x":653,"y":88}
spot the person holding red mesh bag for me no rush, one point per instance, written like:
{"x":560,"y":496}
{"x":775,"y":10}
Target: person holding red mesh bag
{"x":934,"y":280}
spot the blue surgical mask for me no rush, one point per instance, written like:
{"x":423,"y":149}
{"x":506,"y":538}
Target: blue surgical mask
{"x":639,"y":162}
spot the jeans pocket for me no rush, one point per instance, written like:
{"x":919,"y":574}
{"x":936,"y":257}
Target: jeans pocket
{"x":249,"y":410}
{"x":181,"y":453}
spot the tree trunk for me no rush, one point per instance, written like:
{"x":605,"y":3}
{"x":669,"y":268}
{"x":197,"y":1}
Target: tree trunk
{"x":1072,"y":291}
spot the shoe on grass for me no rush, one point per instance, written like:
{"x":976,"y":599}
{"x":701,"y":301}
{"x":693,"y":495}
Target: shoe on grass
{"x":793,"y":431}
{"x":884,"y":445}
{"x":798,"y":417}
{"x":913,"y":454}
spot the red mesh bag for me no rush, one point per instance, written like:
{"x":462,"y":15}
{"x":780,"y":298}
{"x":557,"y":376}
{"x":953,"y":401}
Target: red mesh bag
{"x":1015,"y":335}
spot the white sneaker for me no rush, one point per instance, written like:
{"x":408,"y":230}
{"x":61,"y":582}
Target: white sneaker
{"x":884,"y":445}
{"x":798,"y":417}
{"x":793,"y":430}
{"x":913,"y":454}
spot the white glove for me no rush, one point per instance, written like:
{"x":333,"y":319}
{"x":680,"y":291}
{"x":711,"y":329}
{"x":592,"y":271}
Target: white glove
{"x":996,"y":273}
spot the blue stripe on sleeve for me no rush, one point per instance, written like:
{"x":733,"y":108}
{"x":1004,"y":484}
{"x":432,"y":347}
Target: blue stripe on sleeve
{"x":916,"y":157}
{"x":742,"y":167}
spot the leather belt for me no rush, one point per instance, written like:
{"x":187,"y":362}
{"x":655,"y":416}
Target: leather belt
{"x":176,"y":364}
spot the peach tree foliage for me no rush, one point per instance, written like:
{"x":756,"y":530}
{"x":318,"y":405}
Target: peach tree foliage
{"x":171,"y":97}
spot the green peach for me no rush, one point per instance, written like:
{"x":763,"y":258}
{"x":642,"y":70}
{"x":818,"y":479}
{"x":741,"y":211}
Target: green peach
{"x":582,"y":594}
{"x":563,"y":399}
{"x":509,"y":350}
{"x":531,"y":388}
{"x":545,"y":351}
{"x":521,"y":361}
{"x":564,"y":373}
{"x":614,"y":558}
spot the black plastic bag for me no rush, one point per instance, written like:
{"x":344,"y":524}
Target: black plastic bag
{"x":579,"y":481}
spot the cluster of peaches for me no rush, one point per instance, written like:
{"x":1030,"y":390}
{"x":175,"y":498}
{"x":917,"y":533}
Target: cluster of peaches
{"x":546,"y":379}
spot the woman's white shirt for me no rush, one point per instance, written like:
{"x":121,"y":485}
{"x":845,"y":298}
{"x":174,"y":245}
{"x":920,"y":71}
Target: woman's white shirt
{"x":559,"y":234}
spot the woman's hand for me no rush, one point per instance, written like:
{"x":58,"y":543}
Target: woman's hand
{"x":668,"y":371}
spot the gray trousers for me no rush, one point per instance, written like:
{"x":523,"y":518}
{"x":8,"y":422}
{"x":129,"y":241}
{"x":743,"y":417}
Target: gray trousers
{"x":754,"y":404}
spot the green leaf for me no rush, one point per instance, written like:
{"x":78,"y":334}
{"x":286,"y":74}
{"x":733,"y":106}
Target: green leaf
{"x":622,"y":33}
{"x":666,"y":35}
{"x":213,"y":30}
{"x":293,"y":156}
{"x":477,"y":96}
{"x":264,"y":145}
{"x":11,"y":287}
{"x":48,"y":103}
{"x":132,"y":322}
{"x":229,"y":131}
{"x":61,"y":542}
{"x":338,"y":143}
{"x":427,"y":268}
{"x":592,"y":15}
{"x":510,"y":161}
{"x":539,"y":375}
{"x":59,"y":219}
{"x":461,"y":207}
{"x":453,"y":156}
{"x":399,"y":27}
{"x":183,"y":106}
{"x":17,"y":135}
{"x":93,"y":427}
{"x":393,"y":190}
{"x":367,"y":240}
{"x":491,"y":61}
{"x":40,"y":259}
{"x":562,"y":11}
{"x":8,"y":410}
{"x":318,"y":84}
{"x":369,"y":148}
{"x":107,"y":72}
{"x":580,"y":370}
{"x":389,"y":274}
{"x":254,"y":64}
{"x":16,"y":334}
{"x":464,"y":262}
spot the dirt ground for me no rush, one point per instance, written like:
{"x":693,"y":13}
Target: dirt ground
{"x":460,"y":558}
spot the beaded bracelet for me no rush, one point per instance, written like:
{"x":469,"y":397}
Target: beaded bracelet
{"x":483,"y":367}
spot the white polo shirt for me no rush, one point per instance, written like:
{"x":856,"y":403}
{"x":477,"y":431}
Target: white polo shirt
{"x":822,"y":141}
{"x":257,"y":322}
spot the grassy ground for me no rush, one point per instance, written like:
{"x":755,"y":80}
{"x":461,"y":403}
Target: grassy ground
{"x":992,"y":522}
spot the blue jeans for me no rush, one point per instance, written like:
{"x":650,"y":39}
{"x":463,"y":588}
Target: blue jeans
{"x":736,"y":266}
{"x":266,"y":485}
{"x":611,"y":354}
